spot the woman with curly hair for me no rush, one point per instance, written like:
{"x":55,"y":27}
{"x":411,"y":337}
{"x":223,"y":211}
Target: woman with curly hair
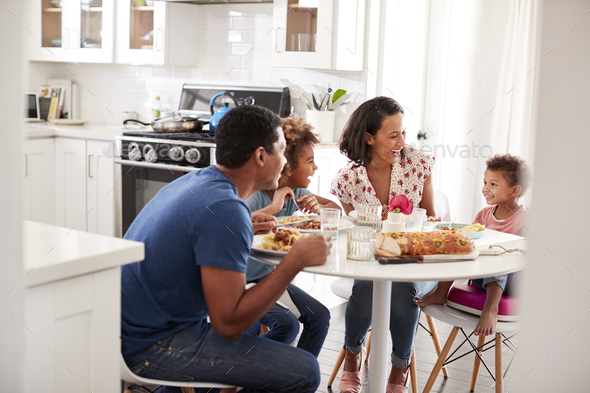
{"x":284,"y":201}
{"x":505,"y":180}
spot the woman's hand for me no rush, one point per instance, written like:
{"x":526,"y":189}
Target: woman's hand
{"x":263,"y":223}
{"x":280,"y":197}
{"x":308,"y":203}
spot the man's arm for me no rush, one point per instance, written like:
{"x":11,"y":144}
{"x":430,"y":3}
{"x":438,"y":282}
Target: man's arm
{"x":232,"y":309}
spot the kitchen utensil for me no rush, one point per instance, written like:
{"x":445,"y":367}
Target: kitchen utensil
{"x":172,"y":124}
{"x":297,"y":92}
{"x":340,"y":101}
{"x":296,"y":224}
{"x":216,"y":116}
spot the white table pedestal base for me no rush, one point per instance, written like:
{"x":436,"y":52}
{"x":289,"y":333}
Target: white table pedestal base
{"x":379,"y":336}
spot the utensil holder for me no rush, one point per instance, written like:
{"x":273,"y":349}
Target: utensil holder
{"x":323,"y":124}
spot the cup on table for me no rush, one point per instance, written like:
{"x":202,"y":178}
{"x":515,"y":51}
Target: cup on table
{"x":415,"y":221}
{"x":369,"y":214}
{"x":330,"y":220}
{"x":360,"y":244}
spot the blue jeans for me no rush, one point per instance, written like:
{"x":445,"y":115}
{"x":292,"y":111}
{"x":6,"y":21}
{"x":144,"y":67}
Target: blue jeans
{"x":249,"y":361}
{"x":505,"y":281}
{"x":403,"y":321}
{"x":284,"y":326}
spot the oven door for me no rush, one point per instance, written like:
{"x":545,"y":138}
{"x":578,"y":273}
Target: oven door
{"x":140,"y":182}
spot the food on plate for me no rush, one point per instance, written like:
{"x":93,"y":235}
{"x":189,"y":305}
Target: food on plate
{"x":283,"y":240}
{"x":423,"y":243}
{"x":466,"y":228}
{"x":384,"y":212}
{"x":315,"y":224}
{"x":293,"y":219}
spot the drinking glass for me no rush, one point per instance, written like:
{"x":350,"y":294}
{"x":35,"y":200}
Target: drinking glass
{"x":369,"y":214}
{"x":360,"y":244}
{"x":330,"y":220}
{"x":415,"y":221}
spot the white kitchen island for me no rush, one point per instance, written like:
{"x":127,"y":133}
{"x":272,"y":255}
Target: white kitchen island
{"x":73,"y":308}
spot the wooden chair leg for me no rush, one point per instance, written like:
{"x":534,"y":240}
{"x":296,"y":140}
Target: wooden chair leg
{"x":476,"y":363}
{"x":368,"y":347}
{"x":441,"y":359}
{"x":435,"y":340}
{"x":187,"y":390}
{"x":413,"y":373}
{"x":498,"y":367}
{"x":336,"y":367}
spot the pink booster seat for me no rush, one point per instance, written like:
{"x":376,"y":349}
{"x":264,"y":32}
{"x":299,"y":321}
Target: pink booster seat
{"x":471,"y":299}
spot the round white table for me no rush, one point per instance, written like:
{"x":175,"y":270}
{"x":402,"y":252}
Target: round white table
{"x":382,"y":276}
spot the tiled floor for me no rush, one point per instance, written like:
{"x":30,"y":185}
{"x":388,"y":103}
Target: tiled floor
{"x":459,"y":371}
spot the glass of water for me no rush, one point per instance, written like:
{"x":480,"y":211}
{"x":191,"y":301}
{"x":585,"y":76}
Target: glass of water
{"x":360,"y":244}
{"x":415,"y":221}
{"x":369,"y":214}
{"x":330,"y":220}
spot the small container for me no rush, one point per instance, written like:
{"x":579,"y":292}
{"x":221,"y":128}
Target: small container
{"x":415,"y":221}
{"x":360,"y":244}
{"x":330,"y":220}
{"x":323,"y":124}
{"x":393,"y":223}
{"x":157,"y":108}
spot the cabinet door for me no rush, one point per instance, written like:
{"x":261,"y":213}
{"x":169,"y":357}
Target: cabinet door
{"x":70,"y":183}
{"x":303,"y":33}
{"x":46,"y":23}
{"x":100,"y":188}
{"x":91,"y":24}
{"x":39,"y":181}
{"x":140,"y":32}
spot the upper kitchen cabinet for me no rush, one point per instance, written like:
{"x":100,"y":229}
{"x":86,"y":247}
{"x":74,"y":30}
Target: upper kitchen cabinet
{"x":322,"y":34}
{"x":156,"y":33}
{"x":80,"y":31}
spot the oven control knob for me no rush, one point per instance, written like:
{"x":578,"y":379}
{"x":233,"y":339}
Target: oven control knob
{"x":193,"y":155}
{"x":249,"y":101}
{"x":176,"y":153}
{"x":149,"y":153}
{"x":134,"y":152}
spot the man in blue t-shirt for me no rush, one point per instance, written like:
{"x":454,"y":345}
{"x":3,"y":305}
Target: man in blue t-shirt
{"x":197,"y":233}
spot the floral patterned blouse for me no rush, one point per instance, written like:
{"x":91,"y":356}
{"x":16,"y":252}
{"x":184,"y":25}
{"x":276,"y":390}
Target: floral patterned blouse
{"x":352,"y":185}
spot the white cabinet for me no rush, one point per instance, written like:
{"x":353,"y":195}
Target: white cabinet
{"x":72,"y":30}
{"x":39,"y":181}
{"x":324,"y":34}
{"x":162,"y":34}
{"x":84,"y":185}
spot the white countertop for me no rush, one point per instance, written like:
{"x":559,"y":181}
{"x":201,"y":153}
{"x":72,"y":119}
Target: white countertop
{"x":54,"y":253}
{"x":96,"y":131}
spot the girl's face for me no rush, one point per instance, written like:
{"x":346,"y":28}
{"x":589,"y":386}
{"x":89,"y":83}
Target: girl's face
{"x":387,"y":144}
{"x":300,"y":177}
{"x":496,"y":189}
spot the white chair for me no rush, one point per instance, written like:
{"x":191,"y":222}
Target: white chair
{"x":343,"y":288}
{"x":461,"y":320}
{"x":441,"y":205}
{"x":136,"y":380}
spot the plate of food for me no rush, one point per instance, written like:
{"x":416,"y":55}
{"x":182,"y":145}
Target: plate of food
{"x":313,"y":226}
{"x":443,"y":246}
{"x":276,"y":244}
{"x":475,"y":231}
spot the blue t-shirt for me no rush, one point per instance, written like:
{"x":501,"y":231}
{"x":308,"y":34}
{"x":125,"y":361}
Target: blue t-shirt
{"x":197,"y":220}
{"x":259,"y":200}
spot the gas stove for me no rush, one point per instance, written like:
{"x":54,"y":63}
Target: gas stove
{"x":177,"y":136}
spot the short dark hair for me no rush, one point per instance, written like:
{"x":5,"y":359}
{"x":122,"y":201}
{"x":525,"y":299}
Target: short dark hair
{"x":366,"y":118}
{"x":514,"y":169}
{"x":241,"y":131}
{"x":297,"y":134}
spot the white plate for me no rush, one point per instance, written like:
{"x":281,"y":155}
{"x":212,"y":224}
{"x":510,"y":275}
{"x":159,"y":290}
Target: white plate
{"x":257,"y":241}
{"x":342,"y":226}
{"x":68,"y":122}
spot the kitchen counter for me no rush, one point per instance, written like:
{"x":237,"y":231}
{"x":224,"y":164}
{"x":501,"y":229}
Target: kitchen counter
{"x":96,"y":131}
{"x":54,"y":253}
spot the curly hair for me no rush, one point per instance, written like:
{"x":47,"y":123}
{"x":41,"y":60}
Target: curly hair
{"x":241,"y":131}
{"x":297,"y":134}
{"x":514,"y":169}
{"x":366,"y":118}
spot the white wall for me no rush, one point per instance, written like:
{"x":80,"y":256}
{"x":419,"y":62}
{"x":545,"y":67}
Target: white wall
{"x":553,"y":356}
{"x":11,"y":159}
{"x":226,"y":35}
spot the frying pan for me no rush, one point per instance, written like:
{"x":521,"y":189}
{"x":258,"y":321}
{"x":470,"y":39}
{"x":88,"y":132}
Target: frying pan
{"x":172,"y":124}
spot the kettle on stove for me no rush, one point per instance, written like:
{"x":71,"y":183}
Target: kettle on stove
{"x":216,"y":116}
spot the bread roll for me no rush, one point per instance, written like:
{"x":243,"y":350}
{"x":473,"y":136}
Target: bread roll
{"x":423,"y":243}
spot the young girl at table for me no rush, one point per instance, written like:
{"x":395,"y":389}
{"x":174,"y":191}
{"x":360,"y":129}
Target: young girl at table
{"x":506,"y":179}
{"x":293,"y":183}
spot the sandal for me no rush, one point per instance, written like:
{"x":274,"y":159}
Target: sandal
{"x":351,"y":381}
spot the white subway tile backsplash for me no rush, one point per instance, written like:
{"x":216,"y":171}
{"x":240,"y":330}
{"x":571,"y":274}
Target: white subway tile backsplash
{"x":234,"y":36}
{"x":232,"y":62}
{"x":153,"y":84}
{"x":218,"y":23}
{"x":240,"y":75}
{"x":242,"y":49}
{"x":165,"y":72}
{"x":136,"y":83}
{"x":221,"y":49}
{"x":241,"y":23}
{"x":200,"y":73}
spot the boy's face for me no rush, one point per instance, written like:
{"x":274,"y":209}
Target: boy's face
{"x":496,"y":189}
{"x":276,"y":163}
{"x":301,"y":176}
